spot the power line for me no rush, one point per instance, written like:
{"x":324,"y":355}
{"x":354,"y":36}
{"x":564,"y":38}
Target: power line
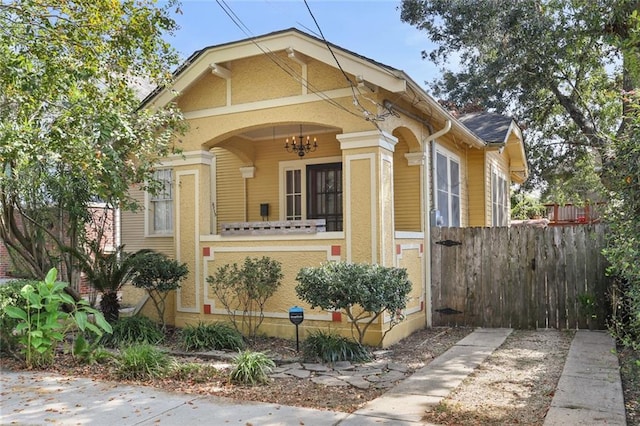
{"x":368,"y":115}
{"x":275,"y":59}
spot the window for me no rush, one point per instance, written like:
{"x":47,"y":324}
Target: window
{"x":161,"y":204}
{"x":293,"y":194}
{"x":447,"y":185}
{"x":313,"y":191}
{"x":499,"y":199}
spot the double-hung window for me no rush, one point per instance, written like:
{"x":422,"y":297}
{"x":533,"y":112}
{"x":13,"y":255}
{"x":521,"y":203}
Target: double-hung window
{"x":313,"y":191}
{"x":161,"y":203}
{"x":447,"y":187}
{"x":499,"y":198}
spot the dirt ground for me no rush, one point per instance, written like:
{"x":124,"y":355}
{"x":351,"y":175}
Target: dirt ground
{"x":515,"y":385}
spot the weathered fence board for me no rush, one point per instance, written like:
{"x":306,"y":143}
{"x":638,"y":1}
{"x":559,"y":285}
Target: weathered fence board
{"x":520,"y":277}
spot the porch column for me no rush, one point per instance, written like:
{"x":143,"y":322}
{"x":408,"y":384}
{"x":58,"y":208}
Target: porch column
{"x":192,"y":204}
{"x":367,"y":159}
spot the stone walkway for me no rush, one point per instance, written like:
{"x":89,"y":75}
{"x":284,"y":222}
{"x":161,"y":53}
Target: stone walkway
{"x":378,"y":375}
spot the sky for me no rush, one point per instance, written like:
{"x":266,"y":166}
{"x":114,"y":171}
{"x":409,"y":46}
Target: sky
{"x":370,"y":28}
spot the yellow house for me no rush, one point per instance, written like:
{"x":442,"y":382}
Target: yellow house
{"x":305,"y":152}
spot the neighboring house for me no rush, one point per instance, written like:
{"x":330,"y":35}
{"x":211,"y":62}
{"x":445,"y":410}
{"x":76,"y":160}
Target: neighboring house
{"x":5,"y":263}
{"x":571,"y":214}
{"x":492,"y":172}
{"x":103,"y":223}
{"x":383,"y":158}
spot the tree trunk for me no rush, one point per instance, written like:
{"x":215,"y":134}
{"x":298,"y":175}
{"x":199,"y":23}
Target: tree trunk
{"x":110,"y":306}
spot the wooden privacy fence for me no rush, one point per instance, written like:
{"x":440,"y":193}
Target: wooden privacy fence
{"x":521,"y":277}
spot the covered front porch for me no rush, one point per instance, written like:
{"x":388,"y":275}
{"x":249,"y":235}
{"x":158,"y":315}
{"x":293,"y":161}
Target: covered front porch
{"x":338,"y":203}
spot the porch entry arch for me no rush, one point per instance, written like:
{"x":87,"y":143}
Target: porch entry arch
{"x":407,"y":181}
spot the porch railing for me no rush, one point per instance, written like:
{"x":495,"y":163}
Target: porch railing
{"x":310,"y":226}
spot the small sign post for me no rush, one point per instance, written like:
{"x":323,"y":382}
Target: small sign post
{"x":296,"y":316}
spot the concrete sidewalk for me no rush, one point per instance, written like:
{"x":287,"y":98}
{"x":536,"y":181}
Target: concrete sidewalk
{"x":589,"y":391}
{"x":406,"y":403}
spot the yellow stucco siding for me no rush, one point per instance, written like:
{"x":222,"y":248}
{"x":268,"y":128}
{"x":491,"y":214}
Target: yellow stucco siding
{"x":285,"y":296}
{"x":406,"y":183}
{"x":259,"y":78}
{"x":360,"y":195}
{"x":209,"y":91}
{"x":186,"y":226}
{"x":410,"y":257}
{"x":479,"y":199}
{"x":217,"y":128}
{"x":324,"y":77}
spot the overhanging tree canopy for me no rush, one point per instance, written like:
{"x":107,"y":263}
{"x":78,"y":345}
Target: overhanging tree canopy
{"x":70,"y":130}
{"x":562,"y":67}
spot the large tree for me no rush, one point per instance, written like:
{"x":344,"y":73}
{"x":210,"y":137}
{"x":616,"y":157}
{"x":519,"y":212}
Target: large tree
{"x":561,"y":67}
{"x":71,"y":132}
{"x":571,"y":71}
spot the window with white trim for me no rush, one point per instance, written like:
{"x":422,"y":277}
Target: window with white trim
{"x":446,"y":174}
{"x":313,"y":190}
{"x":293,"y":194}
{"x":499,"y":198}
{"x":161,"y":204}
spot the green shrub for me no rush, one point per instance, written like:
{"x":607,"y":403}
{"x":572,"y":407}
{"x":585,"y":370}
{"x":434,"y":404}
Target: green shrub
{"x":143,"y":362}
{"x":89,"y":352}
{"x":10,"y":296}
{"x":244,"y":291}
{"x":193,"y":372}
{"x":330,"y":347}
{"x":365,"y":292}
{"x":132,"y":330}
{"x":42,"y":322}
{"x":158,"y":275}
{"x":251,"y":368}
{"x":210,"y":336}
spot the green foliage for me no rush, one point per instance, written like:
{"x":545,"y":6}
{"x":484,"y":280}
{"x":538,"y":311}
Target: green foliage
{"x":132,"y":330}
{"x":42,"y":322}
{"x":193,"y":372}
{"x":548,"y":63}
{"x":243,"y":291}
{"x":251,"y":368}
{"x":87,"y":352}
{"x":363,"y":291}
{"x":579,"y":184}
{"x":330,"y":347}
{"x":525,"y":206}
{"x":70,"y":128}
{"x":143,"y":362}
{"x":10,"y":296}
{"x":107,"y":273}
{"x":623,"y":245}
{"x":210,"y":336}
{"x":158,"y":275}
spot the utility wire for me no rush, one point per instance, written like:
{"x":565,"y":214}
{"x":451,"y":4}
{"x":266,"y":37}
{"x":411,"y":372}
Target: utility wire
{"x":368,"y":115}
{"x":278,"y":61}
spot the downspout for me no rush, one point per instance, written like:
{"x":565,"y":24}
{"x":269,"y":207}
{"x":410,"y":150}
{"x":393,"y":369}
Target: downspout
{"x":427,"y":196}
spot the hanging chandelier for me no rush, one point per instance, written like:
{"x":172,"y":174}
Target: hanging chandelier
{"x":301,"y":145}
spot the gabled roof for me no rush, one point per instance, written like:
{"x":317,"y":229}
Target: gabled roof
{"x":503,"y":132}
{"x":292,"y":40}
{"x":488,"y":126}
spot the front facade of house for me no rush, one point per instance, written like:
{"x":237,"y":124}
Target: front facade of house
{"x":389,"y":162}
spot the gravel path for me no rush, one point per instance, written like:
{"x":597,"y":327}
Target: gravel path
{"x":515,"y":385}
